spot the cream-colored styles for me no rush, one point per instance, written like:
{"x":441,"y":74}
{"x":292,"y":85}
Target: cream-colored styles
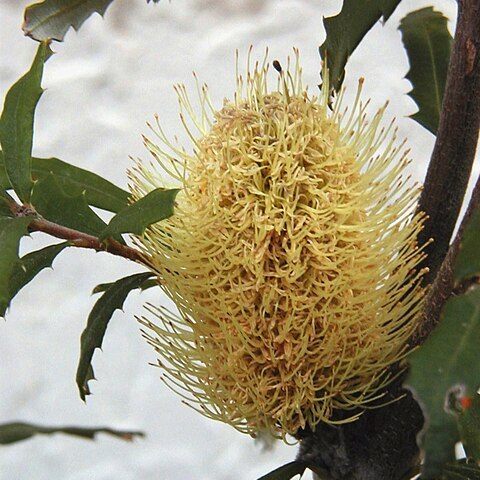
{"x":291,"y":256}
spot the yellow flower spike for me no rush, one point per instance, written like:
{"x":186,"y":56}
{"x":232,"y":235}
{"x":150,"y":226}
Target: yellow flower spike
{"x":291,"y":257}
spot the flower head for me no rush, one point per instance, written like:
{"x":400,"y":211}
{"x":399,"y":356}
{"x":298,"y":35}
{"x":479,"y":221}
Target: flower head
{"x":291,"y":256}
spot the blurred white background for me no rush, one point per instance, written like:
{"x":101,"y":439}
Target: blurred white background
{"x":103,"y":84}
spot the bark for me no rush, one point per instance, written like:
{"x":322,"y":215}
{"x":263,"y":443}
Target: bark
{"x":454,"y":152}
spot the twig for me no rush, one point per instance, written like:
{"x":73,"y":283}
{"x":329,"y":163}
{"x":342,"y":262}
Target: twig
{"x":76,"y":238}
{"x":454,"y":152}
{"x":443,"y":287}
{"x":83,"y":240}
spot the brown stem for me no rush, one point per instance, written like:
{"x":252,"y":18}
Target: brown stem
{"x":443,"y":287}
{"x":382,"y":443}
{"x":83,"y":240}
{"x":76,"y":238}
{"x":454,"y":152}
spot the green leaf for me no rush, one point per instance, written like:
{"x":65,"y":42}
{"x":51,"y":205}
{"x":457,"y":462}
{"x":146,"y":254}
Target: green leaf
{"x":462,"y":470}
{"x":11,"y":231}
{"x":467,"y":263}
{"x":428,"y":43}
{"x":388,"y":7}
{"x":53,"y":18}
{"x":286,"y":472}
{"x":55,"y":205}
{"x":99,"y":192}
{"x":16,"y":125}
{"x":445,"y":364}
{"x":4,"y":205}
{"x":4,"y":181}
{"x":102,"y":287}
{"x":97,"y":323}
{"x":346,"y":30}
{"x":17,"y":431}
{"x":25,"y":270}
{"x":155,"y":206}
{"x":469,"y":426}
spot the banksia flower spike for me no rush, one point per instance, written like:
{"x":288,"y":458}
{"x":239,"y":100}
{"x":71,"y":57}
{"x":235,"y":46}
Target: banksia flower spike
{"x":291,"y":257}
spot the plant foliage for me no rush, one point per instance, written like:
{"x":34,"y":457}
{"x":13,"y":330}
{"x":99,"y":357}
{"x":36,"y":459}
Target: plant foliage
{"x":27,"y":267}
{"x":92,"y":337}
{"x":51,"y":19}
{"x":428,"y":43}
{"x":451,"y":356}
{"x":16,"y":125}
{"x":72,"y":211}
{"x":52,"y":196}
{"x":11,"y":231}
{"x":286,"y":472}
{"x":346,"y":30}
{"x":18,"y":431}
{"x":152,"y":208}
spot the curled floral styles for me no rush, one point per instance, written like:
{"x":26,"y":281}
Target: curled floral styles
{"x":291,"y":257}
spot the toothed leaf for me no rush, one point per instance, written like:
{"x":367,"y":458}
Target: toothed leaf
{"x":428,"y":43}
{"x":18,"y":431}
{"x":286,"y":472}
{"x":11,"y":231}
{"x":98,"y":191}
{"x":92,"y":337}
{"x":55,"y":205}
{"x":25,"y":270}
{"x":53,"y":18}
{"x":450,"y":356}
{"x":102,"y":287}
{"x":16,"y":125}
{"x":155,"y":206}
{"x":346,"y":30}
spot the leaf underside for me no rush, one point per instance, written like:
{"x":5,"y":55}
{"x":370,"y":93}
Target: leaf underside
{"x":92,"y":337}
{"x":428,"y":44}
{"x":346,"y":30}
{"x":18,"y":431}
{"x":53,"y":18}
